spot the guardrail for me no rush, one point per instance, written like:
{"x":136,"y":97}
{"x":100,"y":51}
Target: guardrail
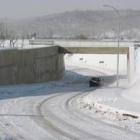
{"x":82,"y":43}
{"x":41,"y":42}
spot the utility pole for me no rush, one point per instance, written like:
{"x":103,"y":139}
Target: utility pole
{"x":118,"y":34}
{"x":6,"y":27}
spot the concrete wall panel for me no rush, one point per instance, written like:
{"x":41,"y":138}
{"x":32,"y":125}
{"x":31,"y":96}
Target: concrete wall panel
{"x":26,"y":66}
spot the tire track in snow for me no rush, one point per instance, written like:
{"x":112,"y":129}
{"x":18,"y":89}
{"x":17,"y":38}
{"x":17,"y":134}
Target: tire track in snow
{"x":89,"y":119}
{"x":49,"y":124}
{"x":28,"y":127}
{"x":5,"y":124}
{"x":71,"y":106}
{"x":62,"y":132}
{"x":15,"y":129}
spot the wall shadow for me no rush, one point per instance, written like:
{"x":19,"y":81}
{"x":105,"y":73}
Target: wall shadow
{"x":71,"y":82}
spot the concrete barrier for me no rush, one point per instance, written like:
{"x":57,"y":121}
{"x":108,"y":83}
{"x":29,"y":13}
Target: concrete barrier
{"x":25,"y":66}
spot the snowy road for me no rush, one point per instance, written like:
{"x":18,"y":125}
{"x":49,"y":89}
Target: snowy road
{"x":50,"y":112}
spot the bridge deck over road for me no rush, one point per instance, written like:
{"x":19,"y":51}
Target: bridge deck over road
{"x":93,"y":50}
{"x":129,"y":51}
{"x":95,"y":47}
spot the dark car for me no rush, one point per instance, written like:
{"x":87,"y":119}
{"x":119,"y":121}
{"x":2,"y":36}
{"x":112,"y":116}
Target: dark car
{"x":95,"y":82}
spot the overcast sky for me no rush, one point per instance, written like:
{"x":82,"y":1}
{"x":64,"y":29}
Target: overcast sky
{"x":29,"y":8}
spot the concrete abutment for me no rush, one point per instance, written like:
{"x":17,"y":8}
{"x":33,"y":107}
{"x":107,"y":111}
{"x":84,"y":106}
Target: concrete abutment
{"x":26,"y":66}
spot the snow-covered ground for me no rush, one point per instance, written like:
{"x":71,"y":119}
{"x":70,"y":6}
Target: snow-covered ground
{"x":127,"y":90}
{"x":53,"y":110}
{"x":69,"y":109}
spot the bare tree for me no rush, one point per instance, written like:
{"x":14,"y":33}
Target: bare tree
{"x":23,"y":38}
{"x":13,"y":38}
{"x":2,"y":34}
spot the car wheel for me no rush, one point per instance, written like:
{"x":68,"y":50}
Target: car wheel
{"x":89,"y":84}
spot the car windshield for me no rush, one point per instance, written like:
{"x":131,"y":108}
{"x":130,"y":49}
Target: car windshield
{"x":95,"y":78}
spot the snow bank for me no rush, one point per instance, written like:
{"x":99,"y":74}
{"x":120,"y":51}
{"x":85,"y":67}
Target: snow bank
{"x":107,"y":64}
{"x":97,"y":107}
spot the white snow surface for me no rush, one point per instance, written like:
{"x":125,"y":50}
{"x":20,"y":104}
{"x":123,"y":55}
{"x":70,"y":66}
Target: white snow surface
{"x":69,"y":109}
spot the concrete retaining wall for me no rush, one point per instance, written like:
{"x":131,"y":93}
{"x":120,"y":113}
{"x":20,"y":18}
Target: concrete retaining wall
{"x":24,"y":66}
